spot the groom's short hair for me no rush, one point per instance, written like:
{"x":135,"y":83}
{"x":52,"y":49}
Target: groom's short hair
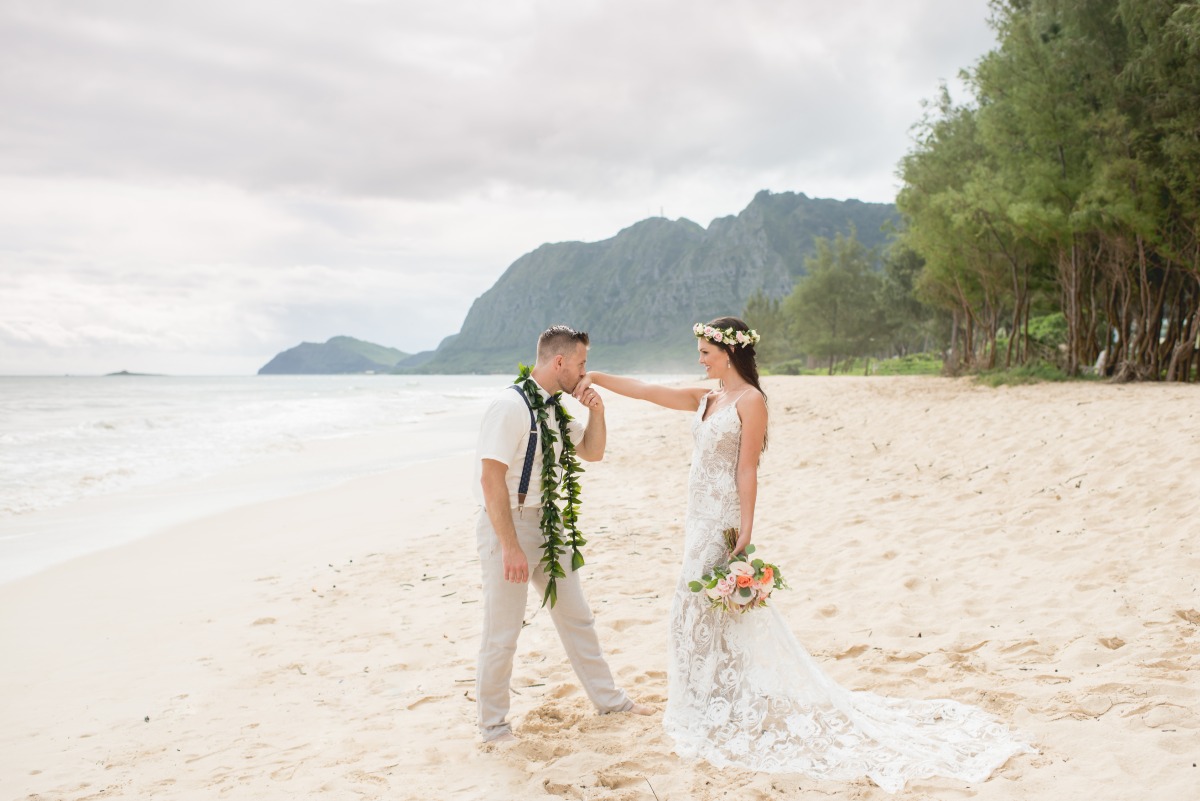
{"x":559,"y":340}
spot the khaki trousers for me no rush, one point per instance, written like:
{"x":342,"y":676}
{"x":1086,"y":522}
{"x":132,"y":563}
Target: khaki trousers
{"x":504,"y":615}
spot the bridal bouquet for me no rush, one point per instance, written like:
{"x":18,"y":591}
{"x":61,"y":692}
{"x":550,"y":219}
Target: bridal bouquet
{"x":743,"y":584}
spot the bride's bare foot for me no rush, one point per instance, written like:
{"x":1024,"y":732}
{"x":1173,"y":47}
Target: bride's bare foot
{"x":642,"y":709}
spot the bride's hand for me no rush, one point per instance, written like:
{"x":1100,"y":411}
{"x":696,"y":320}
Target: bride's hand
{"x":582,"y":386}
{"x":743,"y":541}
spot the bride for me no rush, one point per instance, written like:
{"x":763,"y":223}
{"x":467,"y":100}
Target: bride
{"x":742,"y":691}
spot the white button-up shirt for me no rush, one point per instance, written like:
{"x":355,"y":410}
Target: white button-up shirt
{"x":504,"y":436}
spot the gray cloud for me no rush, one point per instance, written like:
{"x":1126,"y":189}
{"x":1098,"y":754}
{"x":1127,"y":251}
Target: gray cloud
{"x":152,"y":150}
{"x":365,"y":99}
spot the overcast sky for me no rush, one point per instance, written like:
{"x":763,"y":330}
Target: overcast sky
{"x":190,"y":187}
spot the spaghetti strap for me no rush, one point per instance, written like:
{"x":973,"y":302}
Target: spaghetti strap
{"x":703,"y":408}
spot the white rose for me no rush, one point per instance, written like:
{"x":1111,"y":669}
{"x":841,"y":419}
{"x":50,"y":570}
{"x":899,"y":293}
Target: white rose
{"x":741,"y":569}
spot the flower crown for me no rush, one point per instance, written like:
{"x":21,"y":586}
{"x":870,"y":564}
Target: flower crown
{"x":726,"y":336}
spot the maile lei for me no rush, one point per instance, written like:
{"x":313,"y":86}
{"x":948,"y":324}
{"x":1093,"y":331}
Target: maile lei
{"x":555,"y":523}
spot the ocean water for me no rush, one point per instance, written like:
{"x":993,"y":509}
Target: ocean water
{"x":64,"y":440}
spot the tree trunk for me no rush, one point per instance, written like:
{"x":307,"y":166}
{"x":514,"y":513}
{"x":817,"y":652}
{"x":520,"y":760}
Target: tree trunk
{"x":952,"y":360}
{"x":1069,"y":278}
{"x":1184,"y":350}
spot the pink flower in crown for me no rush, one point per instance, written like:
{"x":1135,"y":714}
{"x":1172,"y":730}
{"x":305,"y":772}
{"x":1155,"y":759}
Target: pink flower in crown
{"x":717,"y":336}
{"x":742,"y":338}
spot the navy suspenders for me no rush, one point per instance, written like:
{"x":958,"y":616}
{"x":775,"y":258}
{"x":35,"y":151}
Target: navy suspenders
{"x":527,"y":470}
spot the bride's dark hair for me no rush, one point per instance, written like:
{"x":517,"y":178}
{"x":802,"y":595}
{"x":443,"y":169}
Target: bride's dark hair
{"x":742,"y":357}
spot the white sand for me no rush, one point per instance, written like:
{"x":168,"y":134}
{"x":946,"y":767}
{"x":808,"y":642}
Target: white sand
{"x":1031,"y":550}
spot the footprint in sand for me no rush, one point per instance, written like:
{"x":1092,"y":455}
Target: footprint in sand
{"x":363,"y":777}
{"x":1167,"y":716}
{"x":562,"y":691}
{"x":1047,"y":678}
{"x":851,"y":652}
{"x":615,"y":777}
{"x":625,"y":623}
{"x":424,"y":700}
{"x":549,"y":716}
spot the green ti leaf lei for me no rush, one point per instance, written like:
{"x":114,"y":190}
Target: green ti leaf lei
{"x":555,"y":521}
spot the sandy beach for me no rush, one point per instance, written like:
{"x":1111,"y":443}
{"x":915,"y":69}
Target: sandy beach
{"x":1031,"y":550}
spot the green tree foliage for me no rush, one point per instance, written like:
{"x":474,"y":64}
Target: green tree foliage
{"x":910,"y":325}
{"x":1069,"y":187}
{"x":764,"y":315}
{"x":834,"y":311}
{"x":846,"y":308}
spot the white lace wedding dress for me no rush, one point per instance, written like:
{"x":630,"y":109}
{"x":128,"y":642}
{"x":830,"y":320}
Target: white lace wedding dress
{"x":743,"y":691}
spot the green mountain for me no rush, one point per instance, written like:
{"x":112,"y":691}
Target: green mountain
{"x":338,"y":355}
{"x":638,"y":293}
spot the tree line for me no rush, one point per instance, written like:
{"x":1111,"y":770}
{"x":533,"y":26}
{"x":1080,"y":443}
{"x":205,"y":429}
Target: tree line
{"x":1054,"y":217}
{"x":848,"y":306}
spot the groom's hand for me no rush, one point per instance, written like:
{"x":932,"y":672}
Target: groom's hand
{"x":590,"y":398}
{"x":516,"y":566}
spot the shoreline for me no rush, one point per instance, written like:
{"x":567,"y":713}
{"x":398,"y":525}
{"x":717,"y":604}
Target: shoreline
{"x":1024,"y":549}
{"x":39,"y":540}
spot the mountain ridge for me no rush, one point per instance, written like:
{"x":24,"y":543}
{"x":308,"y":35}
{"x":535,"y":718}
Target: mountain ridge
{"x":638,"y":292}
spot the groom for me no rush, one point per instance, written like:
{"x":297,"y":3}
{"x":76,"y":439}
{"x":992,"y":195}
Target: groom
{"x":510,"y":538}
